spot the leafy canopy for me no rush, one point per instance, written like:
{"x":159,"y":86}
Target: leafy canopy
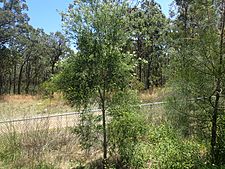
{"x":100,"y":66}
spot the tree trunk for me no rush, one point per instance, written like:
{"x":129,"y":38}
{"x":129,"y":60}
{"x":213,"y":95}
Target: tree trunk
{"x":104,"y":134}
{"x":149,"y":55}
{"x":53,"y":68}
{"x":102,"y":96}
{"x":1,"y":85}
{"x":139,"y":55}
{"x":139,"y":71}
{"x":27,"y":86}
{"x":14,"y":80}
{"x":21,"y":72}
{"x":214,"y":154}
{"x":10,"y":83}
{"x":20,"y":79}
{"x":147,"y":82}
{"x":28,"y":79}
{"x":214,"y":130}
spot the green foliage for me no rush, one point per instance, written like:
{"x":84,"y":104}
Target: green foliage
{"x":169,"y":149}
{"x":89,"y":131}
{"x":149,"y":26}
{"x":127,"y":130}
{"x":221,"y":140}
{"x":48,"y":88}
{"x":101,"y":65}
{"x":76,"y":81}
{"x":13,"y":17}
{"x":29,"y":56}
{"x":197,"y":72}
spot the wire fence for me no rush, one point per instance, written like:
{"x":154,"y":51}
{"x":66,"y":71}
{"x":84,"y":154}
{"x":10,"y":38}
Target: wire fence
{"x":70,"y":114}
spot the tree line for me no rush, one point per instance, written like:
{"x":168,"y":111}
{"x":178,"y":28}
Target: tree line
{"x":197,"y":70}
{"x":28,"y":56}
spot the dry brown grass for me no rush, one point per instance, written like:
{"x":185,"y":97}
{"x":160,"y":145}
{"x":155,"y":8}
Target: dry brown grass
{"x":14,"y":106}
{"x":39,"y":145}
{"x":18,"y":98}
{"x":153,"y":95}
{"x":50,"y":141}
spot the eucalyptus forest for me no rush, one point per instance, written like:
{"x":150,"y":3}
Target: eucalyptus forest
{"x":110,"y":56}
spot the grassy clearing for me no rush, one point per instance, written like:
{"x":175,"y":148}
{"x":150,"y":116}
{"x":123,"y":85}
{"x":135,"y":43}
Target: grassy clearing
{"x":153,"y":95}
{"x":12,"y":106}
{"x":41,"y":147}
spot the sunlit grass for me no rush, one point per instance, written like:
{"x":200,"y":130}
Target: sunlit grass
{"x":13,"y":106}
{"x":38,"y":145}
{"x":153,"y":95}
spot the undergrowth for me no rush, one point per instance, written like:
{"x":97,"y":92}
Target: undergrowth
{"x":138,"y":137}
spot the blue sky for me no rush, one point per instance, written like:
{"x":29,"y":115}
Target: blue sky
{"x":44,"y":13}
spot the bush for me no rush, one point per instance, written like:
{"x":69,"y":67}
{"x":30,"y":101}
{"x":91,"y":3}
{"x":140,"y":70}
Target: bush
{"x":170,"y":150}
{"x":89,"y":130}
{"x":127,"y":131}
{"x":48,"y":88}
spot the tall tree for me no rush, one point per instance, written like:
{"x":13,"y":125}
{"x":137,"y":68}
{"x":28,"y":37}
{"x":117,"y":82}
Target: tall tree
{"x":100,"y":67}
{"x":198,"y":71}
{"x":12,"y":20}
{"x":149,"y":25}
{"x":58,"y":49}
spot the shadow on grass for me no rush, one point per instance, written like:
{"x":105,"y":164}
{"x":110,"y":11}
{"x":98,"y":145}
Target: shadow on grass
{"x":97,"y":164}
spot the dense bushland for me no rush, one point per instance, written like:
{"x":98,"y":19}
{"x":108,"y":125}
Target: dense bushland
{"x":122,"y":47}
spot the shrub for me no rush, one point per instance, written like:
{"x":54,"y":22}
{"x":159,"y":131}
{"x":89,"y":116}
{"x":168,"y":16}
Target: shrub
{"x":127,"y":131}
{"x":220,"y":149}
{"x":170,"y":150}
{"x":48,"y":88}
{"x":89,"y":130}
